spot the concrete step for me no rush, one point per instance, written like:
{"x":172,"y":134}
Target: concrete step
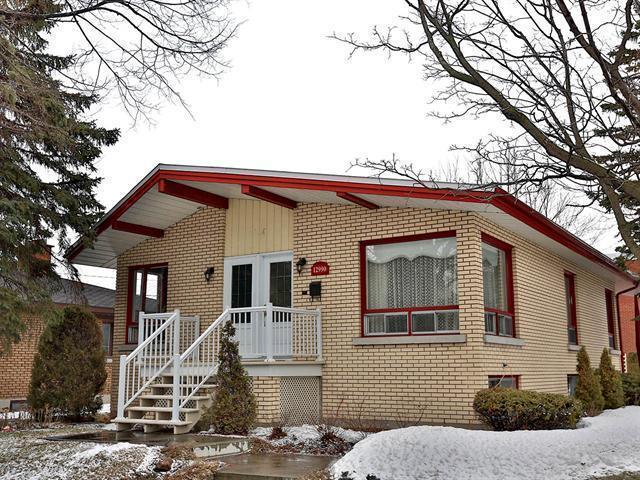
{"x":170,"y":385}
{"x":146,"y":421}
{"x":160,"y":409}
{"x":170,"y":397}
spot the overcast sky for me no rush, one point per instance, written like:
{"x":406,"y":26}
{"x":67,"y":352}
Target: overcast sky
{"x":292,"y":100}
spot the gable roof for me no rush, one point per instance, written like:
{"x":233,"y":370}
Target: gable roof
{"x":171,"y":192}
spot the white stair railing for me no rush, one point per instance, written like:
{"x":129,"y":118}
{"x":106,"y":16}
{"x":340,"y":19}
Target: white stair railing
{"x":150,"y":358}
{"x":197,"y":364}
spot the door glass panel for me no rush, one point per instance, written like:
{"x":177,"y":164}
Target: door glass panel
{"x":241,"y":291}
{"x":280,"y":284}
{"x":241,"y":286}
{"x":154,"y":295}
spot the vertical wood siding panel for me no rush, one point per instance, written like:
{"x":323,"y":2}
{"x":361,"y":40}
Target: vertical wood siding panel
{"x":257,"y":227}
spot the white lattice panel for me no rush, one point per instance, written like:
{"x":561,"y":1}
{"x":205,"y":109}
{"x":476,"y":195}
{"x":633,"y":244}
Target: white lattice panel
{"x":300,"y":400}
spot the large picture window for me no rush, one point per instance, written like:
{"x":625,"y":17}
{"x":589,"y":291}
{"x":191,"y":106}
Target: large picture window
{"x":409,"y":285}
{"x":497,"y":278}
{"x":147,"y":293}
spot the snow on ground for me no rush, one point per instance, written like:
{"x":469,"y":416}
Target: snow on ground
{"x":307,"y":433}
{"x":606,"y":444}
{"x":27,"y":455}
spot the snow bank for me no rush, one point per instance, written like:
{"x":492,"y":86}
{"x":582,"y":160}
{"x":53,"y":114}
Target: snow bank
{"x":308,"y":433}
{"x":607,"y":444}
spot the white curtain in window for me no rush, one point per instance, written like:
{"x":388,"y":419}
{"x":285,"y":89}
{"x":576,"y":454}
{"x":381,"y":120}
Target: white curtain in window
{"x":494,"y":273}
{"x":412,"y":274}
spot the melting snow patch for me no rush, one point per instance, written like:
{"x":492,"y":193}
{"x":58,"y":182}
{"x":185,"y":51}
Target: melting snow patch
{"x":307,"y":433}
{"x":606,"y":444}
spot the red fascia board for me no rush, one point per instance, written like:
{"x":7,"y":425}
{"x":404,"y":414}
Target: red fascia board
{"x":137,"y":229}
{"x":357,"y":200}
{"x":267,"y":196}
{"x":331,"y":185}
{"x":498,"y":197}
{"x":523,"y":212}
{"x":192,"y":194}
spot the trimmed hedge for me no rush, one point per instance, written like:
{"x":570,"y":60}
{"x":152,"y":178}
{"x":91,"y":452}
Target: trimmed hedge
{"x":507,"y":409}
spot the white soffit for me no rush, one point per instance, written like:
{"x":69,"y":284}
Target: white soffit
{"x":159,"y":210}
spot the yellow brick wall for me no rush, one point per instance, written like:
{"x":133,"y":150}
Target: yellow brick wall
{"x":189,"y":247}
{"x":436,"y":382}
{"x":267,"y":393}
{"x":404,"y":383}
{"x":541,"y":318}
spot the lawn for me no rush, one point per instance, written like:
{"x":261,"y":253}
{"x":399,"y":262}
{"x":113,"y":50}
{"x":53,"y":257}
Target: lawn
{"x":27,"y":455}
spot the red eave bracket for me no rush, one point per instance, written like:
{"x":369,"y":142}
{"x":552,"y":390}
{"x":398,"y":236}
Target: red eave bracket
{"x":137,"y":229}
{"x":357,"y":200}
{"x":267,"y":196}
{"x":192,"y":194}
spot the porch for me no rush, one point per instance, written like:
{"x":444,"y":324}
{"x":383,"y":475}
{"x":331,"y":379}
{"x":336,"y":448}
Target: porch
{"x":168,"y":378}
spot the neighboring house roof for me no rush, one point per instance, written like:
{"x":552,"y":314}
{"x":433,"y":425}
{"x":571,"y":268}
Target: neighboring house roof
{"x":171,"y":192}
{"x":71,"y":292}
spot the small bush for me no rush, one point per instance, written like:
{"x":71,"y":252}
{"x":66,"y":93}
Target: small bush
{"x":588,"y":390}
{"x":69,"y":367}
{"x":277,"y":433}
{"x":632,"y":362}
{"x":631,"y":387}
{"x":610,"y":381}
{"x":234,"y":409}
{"x":507,"y":409}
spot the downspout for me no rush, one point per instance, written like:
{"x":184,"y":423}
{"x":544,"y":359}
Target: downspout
{"x":620,"y":322}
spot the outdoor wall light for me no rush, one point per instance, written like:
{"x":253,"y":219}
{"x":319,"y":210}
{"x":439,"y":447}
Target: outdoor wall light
{"x":208,"y":273}
{"x":300,"y":264}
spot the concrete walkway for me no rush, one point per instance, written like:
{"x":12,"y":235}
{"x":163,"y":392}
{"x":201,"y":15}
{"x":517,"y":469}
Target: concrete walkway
{"x":272,"y":467}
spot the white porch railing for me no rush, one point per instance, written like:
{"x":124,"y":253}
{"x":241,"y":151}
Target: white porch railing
{"x":277,"y":332}
{"x":150,"y":322}
{"x":171,"y":342}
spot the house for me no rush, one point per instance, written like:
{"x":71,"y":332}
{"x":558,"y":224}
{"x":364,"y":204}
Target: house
{"x":15,"y":367}
{"x":367,"y":298}
{"x":629,"y":310}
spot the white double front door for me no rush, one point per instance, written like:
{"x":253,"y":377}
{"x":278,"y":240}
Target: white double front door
{"x":254,"y":281}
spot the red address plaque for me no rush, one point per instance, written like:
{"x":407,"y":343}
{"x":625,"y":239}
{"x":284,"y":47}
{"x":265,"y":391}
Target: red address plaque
{"x":320,"y":268}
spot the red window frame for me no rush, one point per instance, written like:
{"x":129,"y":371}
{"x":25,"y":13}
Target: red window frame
{"x":573,"y":320}
{"x":363,"y":284}
{"x":611,"y":329}
{"x":508,"y":256}
{"x":515,"y":378}
{"x":130,"y":293}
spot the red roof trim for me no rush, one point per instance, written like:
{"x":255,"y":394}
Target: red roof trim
{"x":357,"y":200}
{"x":523,"y":212}
{"x":267,"y":196}
{"x":192,"y":194}
{"x":137,"y":229}
{"x":499,"y":198}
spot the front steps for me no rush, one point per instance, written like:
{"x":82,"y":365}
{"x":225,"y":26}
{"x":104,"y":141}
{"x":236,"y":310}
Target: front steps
{"x":153,"y":409}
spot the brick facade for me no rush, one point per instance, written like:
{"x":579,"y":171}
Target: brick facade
{"x":628,"y":311}
{"x":432,"y":383}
